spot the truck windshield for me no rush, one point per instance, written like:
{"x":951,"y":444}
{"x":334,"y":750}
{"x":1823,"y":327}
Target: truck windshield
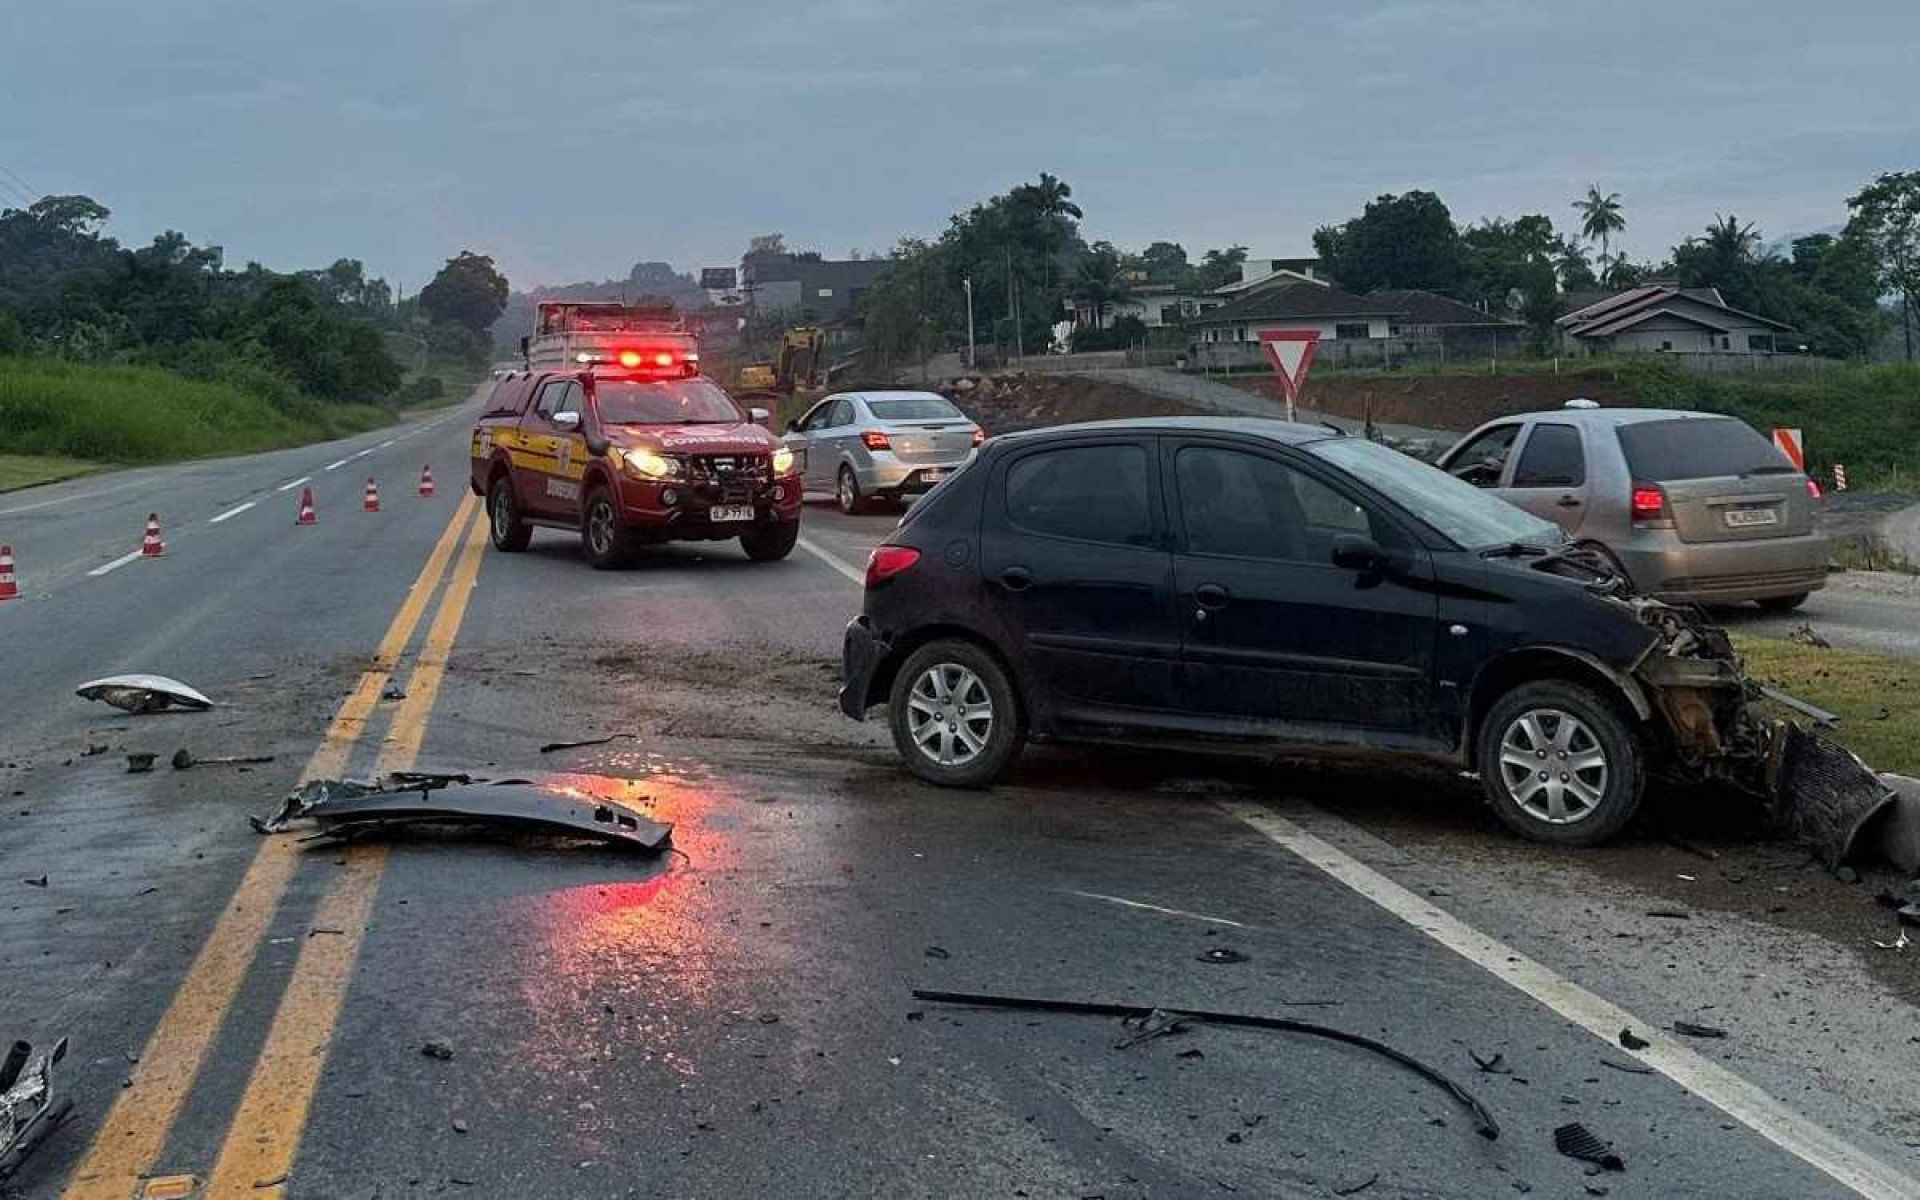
{"x":1469,"y":517}
{"x":664,"y":402}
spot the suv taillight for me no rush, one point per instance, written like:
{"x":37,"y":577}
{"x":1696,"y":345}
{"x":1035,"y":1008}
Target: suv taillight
{"x":875,"y":440}
{"x":1649,"y":504}
{"x":888,"y":561}
{"x":1813,"y":489}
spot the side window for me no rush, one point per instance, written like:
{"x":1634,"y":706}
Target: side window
{"x":1481,"y":461}
{"x":840,"y":415}
{"x":574,"y":400}
{"x":817,"y":419}
{"x":552,"y":395}
{"x":1084,"y":493}
{"x":1552,"y":458}
{"x":1238,"y":504}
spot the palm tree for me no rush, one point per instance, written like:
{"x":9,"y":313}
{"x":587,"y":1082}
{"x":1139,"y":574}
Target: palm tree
{"x":1100,"y":282}
{"x":1600,"y":217}
{"x":1730,"y":241}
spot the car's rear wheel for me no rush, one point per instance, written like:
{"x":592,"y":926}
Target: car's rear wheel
{"x":1784,"y":604}
{"x":954,"y":715}
{"x":1560,"y":764}
{"x":848,"y":493}
{"x":770,"y":543}
{"x":510,"y":531}
{"x":608,"y":545}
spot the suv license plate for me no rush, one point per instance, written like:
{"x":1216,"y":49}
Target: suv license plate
{"x":934,"y":474}
{"x":730,"y":512}
{"x":1746,"y":518}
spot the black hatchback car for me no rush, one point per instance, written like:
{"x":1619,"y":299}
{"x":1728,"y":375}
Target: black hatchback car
{"x":1224,"y":584}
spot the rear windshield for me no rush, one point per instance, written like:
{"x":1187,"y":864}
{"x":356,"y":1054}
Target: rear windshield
{"x":1658,"y":451}
{"x":912,"y":408}
{"x":664,"y":402}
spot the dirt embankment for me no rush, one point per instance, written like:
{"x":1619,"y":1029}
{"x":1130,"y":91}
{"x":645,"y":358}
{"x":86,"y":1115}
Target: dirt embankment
{"x":1456,"y":402}
{"x":1010,"y":403}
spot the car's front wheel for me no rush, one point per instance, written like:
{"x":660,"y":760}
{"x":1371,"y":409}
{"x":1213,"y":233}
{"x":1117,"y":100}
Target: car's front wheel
{"x":607,"y":544}
{"x":1560,"y":764}
{"x":510,"y":532}
{"x":770,"y":543}
{"x":954,"y":715}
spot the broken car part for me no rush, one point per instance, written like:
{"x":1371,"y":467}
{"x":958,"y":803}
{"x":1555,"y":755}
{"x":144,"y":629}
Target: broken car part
{"x":30,"y":1107}
{"x":1577,"y":1141}
{"x":140,"y":762}
{"x":1689,"y":1029}
{"x":1822,"y":793}
{"x":143,"y":693}
{"x":1483,"y":1121}
{"x":183,"y":758}
{"x":1812,"y":712}
{"x":550,"y":747}
{"x":358,"y":810}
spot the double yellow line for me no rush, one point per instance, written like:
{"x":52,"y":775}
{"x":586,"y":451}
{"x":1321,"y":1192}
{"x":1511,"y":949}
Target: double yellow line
{"x":263,"y":1136}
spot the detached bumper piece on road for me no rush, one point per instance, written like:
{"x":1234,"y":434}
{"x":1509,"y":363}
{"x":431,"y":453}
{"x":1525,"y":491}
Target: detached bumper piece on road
{"x":30,"y":1107}
{"x":351,"y":810}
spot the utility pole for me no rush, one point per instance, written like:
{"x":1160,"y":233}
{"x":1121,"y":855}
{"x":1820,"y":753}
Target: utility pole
{"x":967,"y":282}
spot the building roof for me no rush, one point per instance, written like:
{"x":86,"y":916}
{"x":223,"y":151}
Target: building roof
{"x":1300,"y":300}
{"x":1623,"y":310}
{"x":1417,"y":307}
{"x":1612,"y":325}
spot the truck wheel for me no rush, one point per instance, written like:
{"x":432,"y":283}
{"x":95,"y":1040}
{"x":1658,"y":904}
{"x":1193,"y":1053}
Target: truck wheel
{"x":608,"y":546}
{"x":770,"y":543}
{"x":510,"y":533}
{"x":848,"y":493}
{"x":1560,"y":764}
{"x":954,"y":715}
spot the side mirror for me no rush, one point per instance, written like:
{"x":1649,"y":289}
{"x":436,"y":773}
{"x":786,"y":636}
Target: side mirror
{"x":1356,"y":553}
{"x":567,"y":420}
{"x":526,"y":345}
{"x":759,"y":416}
{"x":793,"y":427}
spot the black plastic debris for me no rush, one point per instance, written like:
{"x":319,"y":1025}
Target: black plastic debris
{"x":1577,"y":1141}
{"x":184,"y":758}
{"x":1354,"y":1189}
{"x":937,"y":952}
{"x":1689,"y":1029}
{"x":1632,"y":1040}
{"x":1484,"y":1124}
{"x":550,"y":747}
{"x":435,"y":1048}
{"x":30,"y":1105}
{"x":1497,"y":1065}
{"x":345,"y":809}
{"x":140,"y":762}
{"x":1221,"y":954}
{"x":1630,"y":1068}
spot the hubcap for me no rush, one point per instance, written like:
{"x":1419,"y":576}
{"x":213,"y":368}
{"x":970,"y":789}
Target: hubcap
{"x":1553,"y":766}
{"x":846,"y":491}
{"x":950,"y":714}
{"x":600,"y":527}
{"x":502,"y":512}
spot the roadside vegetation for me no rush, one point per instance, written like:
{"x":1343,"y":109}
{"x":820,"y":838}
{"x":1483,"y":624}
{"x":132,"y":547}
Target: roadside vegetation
{"x":1876,"y":696}
{"x":26,"y":470}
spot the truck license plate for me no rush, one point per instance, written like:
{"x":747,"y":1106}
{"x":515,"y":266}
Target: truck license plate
{"x":730,"y":512}
{"x":1746,"y":518}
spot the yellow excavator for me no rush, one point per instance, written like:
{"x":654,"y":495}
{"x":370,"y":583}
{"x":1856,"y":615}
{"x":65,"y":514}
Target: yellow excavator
{"x":800,"y":367}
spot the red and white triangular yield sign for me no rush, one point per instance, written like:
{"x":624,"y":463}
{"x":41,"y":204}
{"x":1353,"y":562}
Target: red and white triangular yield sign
{"x":1291,"y":353}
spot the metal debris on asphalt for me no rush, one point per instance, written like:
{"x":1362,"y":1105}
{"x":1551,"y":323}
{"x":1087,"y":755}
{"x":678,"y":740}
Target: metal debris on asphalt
{"x":550,"y":747}
{"x":184,"y":758}
{"x":143,"y":693}
{"x":435,"y":1048}
{"x":1689,"y":1029}
{"x":30,"y":1105}
{"x":1356,"y":1188}
{"x":1155,"y":1024}
{"x":140,"y":762}
{"x":1497,"y":1065}
{"x":36,"y":881}
{"x":937,"y":952}
{"x":393,"y":691}
{"x":1221,"y":954}
{"x":1484,"y":1124}
{"x":1577,"y":1141}
{"x":350,"y":809}
{"x":1632,"y":1040}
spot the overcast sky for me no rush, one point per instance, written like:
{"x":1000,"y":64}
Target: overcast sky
{"x":569,"y":138}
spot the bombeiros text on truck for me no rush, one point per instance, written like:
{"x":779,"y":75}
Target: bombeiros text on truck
{"x":610,"y":429}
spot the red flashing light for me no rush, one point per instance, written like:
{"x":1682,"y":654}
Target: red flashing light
{"x":663,"y":359}
{"x":888,"y":561}
{"x":1649,"y":503}
{"x":1813,"y":489}
{"x":873,"y":439}
{"x":629,"y":358}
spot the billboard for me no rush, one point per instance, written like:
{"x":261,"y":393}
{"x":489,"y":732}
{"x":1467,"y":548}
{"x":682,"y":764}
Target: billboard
{"x":718,"y":279}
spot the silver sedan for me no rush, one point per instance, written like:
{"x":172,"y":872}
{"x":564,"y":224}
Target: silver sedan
{"x":866,"y":446}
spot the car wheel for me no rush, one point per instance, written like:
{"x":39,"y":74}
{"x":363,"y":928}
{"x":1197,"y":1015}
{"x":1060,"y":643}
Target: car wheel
{"x":510,"y":532}
{"x":954,"y":715}
{"x":608,"y":546}
{"x":848,"y":493}
{"x":1560,"y":764}
{"x":770,"y":543}
{"x":1784,"y":604}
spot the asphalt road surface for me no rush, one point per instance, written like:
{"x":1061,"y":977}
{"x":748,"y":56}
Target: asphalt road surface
{"x":248,"y":1014}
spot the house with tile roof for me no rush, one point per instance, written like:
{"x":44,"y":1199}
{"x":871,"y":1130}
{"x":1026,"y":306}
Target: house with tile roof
{"x":1665,"y":318}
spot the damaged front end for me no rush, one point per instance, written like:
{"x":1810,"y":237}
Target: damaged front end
{"x":30,"y":1106}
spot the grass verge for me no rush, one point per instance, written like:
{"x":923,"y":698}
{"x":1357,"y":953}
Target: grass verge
{"x":1877,"y":696}
{"x":25,"y":470}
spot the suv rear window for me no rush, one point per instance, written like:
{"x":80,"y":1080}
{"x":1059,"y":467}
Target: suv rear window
{"x":1658,"y":451}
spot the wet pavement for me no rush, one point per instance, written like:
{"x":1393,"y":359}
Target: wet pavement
{"x":736,"y":1017}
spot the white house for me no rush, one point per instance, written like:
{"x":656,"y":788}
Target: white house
{"x":1296,"y":305}
{"x":1662,"y":318}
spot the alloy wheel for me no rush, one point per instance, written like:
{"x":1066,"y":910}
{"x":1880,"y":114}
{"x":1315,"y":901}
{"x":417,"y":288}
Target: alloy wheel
{"x":1553,"y":766}
{"x":950,"y":714}
{"x":600,"y":530}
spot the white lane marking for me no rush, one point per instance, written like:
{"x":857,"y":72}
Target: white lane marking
{"x":115,"y":565}
{"x":287,"y":487}
{"x":335,"y":466}
{"x":834,"y":561}
{"x":383,"y":445}
{"x":1172,"y":912}
{"x":235,"y":511}
{"x":23,"y":508}
{"x":1743,"y":1101}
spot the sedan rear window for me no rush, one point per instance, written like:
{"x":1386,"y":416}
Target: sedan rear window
{"x":913,"y":408}
{"x":1659,"y":451}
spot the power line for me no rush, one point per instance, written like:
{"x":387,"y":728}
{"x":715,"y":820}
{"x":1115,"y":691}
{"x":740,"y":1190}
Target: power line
{"x":17,"y":185}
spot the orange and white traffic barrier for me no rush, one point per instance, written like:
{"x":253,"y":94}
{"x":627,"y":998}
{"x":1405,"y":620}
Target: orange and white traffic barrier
{"x":371,"y":502}
{"x":426,"y":481}
{"x":150,"y":544}
{"x":1839,"y":478}
{"x":9,"y":590}
{"x":307,"y":515}
{"x":1793,"y":446}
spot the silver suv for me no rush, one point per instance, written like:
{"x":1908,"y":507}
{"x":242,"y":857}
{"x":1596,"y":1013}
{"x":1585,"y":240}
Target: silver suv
{"x":1693,"y":506}
{"x":863,"y":446}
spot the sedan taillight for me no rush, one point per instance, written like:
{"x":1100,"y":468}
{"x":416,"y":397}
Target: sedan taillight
{"x":888,"y":561}
{"x":873,"y":439}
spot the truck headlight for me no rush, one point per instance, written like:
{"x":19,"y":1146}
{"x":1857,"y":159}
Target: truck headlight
{"x":782,"y":461}
{"x":649,"y":464}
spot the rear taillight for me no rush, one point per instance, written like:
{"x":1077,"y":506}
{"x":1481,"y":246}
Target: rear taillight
{"x":979,"y":436}
{"x":888,"y":561}
{"x":873,"y":439}
{"x":1649,"y":503}
{"x":1813,"y":489}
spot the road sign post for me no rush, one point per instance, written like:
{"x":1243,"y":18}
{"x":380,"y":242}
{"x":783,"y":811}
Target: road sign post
{"x":1291,"y":352}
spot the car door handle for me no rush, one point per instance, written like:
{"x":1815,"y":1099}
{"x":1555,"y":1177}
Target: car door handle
{"x":1211,"y":595}
{"x":1568,"y":502}
{"x":1016,"y":579}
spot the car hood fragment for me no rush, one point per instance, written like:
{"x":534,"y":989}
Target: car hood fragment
{"x":30,"y":1106}
{"x":143,"y":693}
{"x":352,"y":809}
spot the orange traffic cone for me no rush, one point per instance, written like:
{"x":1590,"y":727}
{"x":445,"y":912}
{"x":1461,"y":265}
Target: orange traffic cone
{"x":372,"y":501}
{"x":306,"y":516}
{"x":150,"y":545}
{"x":9,"y":590}
{"x":426,"y":481}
